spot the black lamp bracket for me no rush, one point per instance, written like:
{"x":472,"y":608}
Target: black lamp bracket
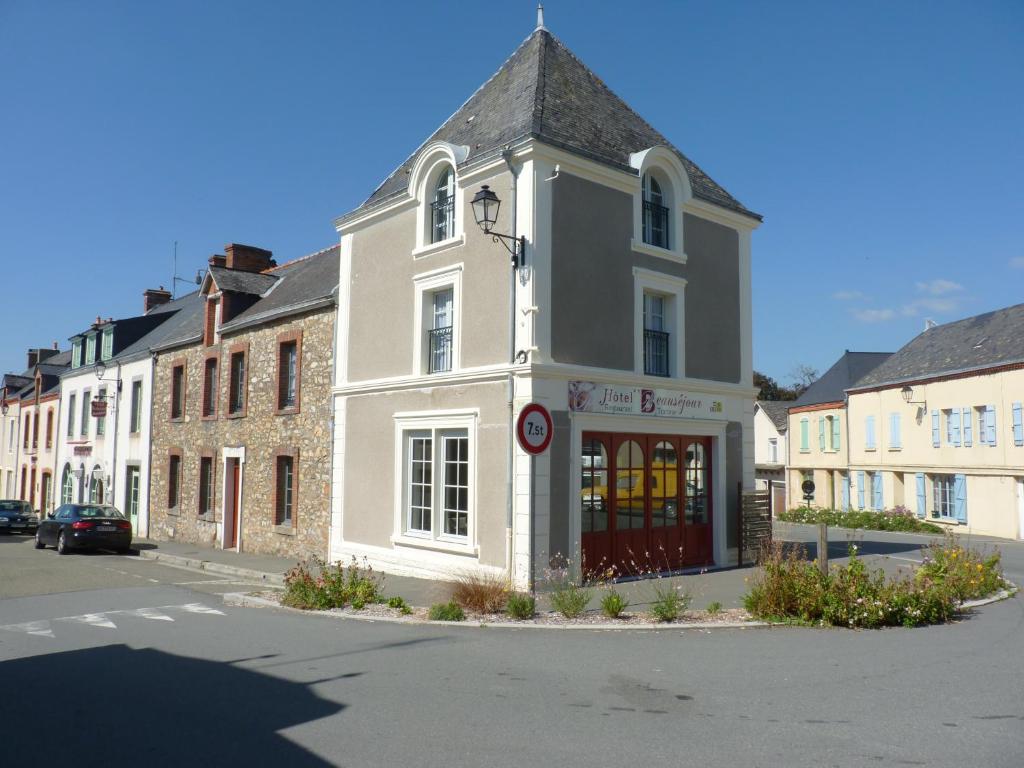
{"x":516,"y":246}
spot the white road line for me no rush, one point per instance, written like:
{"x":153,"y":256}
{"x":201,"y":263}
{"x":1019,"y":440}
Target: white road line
{"x":43,"y":628}
{"x":92,"y":619}
{"x":908,"y":559}
{"x":148,"y":613}
{"x":199,"y":608}
{"x":38,"y":628}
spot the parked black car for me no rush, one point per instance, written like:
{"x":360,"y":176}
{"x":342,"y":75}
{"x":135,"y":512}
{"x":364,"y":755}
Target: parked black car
{"x":85,"y":526}
{"x":17,"y":517}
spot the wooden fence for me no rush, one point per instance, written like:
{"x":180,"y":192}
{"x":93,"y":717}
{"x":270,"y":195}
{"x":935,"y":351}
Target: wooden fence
{"x":755,"y":524}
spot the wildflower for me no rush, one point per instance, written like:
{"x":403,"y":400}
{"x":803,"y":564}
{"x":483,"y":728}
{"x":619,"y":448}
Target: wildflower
{"x":979,"y":566}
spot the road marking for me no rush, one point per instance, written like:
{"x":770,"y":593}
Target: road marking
{"x":200,"y":608}
{"x":92,"y":619}
{"x":39,"y":628}
{"x":148,"y":613}
{"x":908,"y":559}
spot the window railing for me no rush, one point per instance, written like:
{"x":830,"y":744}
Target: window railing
{"x":439,"y":357}
{"x":655,"y":353}
{"x":655,"y":224}
{"x":442,"y":217}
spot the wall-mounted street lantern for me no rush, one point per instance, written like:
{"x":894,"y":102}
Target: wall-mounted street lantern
{"x":908,"y":397}
{"x":4,"y":407}
{"x":101,"y":368}
{"x":485,"y":210}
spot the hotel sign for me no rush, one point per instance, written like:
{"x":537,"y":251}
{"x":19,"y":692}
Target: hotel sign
{"x":592,"y":397}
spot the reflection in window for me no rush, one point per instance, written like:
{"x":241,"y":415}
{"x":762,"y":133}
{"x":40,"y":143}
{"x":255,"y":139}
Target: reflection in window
{"x":664,"y":507}
{"x":629,"y":486}
{"x":594,"y":492}
{"x":696,"y":485}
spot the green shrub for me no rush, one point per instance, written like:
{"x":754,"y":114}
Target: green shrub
{"x":315,"y":585}
{"x":714,"y":608}
{"x":520,"y":606}
{"x":570,"y":599}
{"x":481,"y":593}
{"x":399,"y":604}
{"x":669,"y":602}
{"x":450,"y":611}
{"x":897,"y":519}
{"x":613,"y":604}
{"x":304,"y":587}
{"x":966,"y":573}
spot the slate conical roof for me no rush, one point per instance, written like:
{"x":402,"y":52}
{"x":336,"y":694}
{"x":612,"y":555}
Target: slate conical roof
{"x":543,"y":91}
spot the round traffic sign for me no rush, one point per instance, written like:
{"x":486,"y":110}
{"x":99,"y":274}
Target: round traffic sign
{"x":534,"y":429}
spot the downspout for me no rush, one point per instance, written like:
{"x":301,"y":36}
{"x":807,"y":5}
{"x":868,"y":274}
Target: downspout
{"x":506,"y":155}
{"x":56,"y":451}
{"x":334,"y":413}
{"x":117,"y":413}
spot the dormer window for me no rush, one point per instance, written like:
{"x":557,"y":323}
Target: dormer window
{"x":655,"y":213}
{"x":90,"y":349}
{"x":107,"y":349}
{"x":76,"y":353}
{"x":442,"y":208}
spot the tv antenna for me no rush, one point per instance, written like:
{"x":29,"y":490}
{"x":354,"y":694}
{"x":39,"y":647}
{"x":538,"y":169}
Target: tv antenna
{"x":198,"y":279}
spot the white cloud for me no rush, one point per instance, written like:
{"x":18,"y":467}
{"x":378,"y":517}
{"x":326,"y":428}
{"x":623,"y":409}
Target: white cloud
{"x":939,"y":287}
{"x":874,"y":315}
{"x":847,"y":295}
{"x":1017,"y":262}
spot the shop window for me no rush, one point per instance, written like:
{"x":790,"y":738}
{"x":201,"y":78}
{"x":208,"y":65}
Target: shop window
{"x":595,"y":487}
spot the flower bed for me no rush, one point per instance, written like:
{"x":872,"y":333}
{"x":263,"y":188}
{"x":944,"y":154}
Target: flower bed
{"x":896,"y":519}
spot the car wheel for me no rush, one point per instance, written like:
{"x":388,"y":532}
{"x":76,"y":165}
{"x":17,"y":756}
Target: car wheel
{"x":62,"y":544}
{"x":39,"y":541}
{"x":123,"y":550}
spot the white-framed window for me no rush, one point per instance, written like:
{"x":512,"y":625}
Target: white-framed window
{"x":437,"y":315}
{"x":107,"y":349}
{"x":659,"y":338}
{"x":435,"y":479}
{"x":76,"y":352}
{"x":773,"y":450}
{"x":90,"y":349}
{"x":434,"y":184}
{"x":83,"y":429}
{"x":943,"y":497}
{"x":662,"y":189}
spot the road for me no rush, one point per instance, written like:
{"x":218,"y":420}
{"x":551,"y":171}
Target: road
{"x":112,"y":661}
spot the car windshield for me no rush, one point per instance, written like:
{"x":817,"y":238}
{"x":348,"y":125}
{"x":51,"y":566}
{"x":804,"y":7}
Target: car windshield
{"x":98,"y":512}
{"x":12,"y":506}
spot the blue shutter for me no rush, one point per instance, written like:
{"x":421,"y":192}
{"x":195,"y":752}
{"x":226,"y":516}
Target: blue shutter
{"x":860,"y":489}
{"x":1018,"y":425}
{"x":954,"y":420}
{"x":846,"y":493}
{"x":894,"y":430}
{"x":990,"y":424}
{"x":935,"y":429}
{"x":960,"y":494}
{"x":835,"y":434}
{"x":805,"y":443}
{"x":967,"y":428}
{"x":821,"y":433}
{"x":876,"y":487}
{"x":920,"y":494}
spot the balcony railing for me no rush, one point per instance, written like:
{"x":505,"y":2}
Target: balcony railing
{"x":655,"y":224}
{"x":442,"y":218}
{"x":655,"y":353}
{"x":439,"y":356}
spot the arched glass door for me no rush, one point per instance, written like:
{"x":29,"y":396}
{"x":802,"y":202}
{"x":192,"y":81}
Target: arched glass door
{"x":698,"y":501}
{"x":596,"y":510}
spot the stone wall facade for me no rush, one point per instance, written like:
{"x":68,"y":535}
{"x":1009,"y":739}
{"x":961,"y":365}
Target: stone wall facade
{"x":260,"y":433}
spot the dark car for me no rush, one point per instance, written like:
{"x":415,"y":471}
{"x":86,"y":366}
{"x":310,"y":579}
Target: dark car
{"x":17,"y":517}
{"x":85,"y":526}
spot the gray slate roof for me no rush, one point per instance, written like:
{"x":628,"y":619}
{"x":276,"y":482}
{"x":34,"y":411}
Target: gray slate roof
{"x":777,"y":411}
{"x":252,"y":283}
{"x":848,"y":370}
{"x":983,"y":341}
{"x":185,"y":321}
{"x":543,"y":91}
{"x":301,"y":283}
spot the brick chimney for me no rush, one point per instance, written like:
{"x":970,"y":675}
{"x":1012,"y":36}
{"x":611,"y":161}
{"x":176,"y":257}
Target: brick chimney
{"x":38,"y":355}
{"x":248,"y":258}
{"x":217,"y":260}
{"x":154,"y":297}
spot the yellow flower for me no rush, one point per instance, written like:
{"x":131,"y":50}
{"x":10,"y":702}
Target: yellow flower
{"x":979,"y":566}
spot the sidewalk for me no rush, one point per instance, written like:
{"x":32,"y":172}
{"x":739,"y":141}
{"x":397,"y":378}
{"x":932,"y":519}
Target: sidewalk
{"x":725,"y":586}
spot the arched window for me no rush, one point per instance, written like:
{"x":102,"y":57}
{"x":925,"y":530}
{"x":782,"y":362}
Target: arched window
{"x":67,"y":485}
{"x":442,"y":209}
{"x":82,"y":482}
{"x":96,"y":486}
{"x":655,"y":213}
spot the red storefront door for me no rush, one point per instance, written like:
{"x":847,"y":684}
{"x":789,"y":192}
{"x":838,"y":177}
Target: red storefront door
{"x":646,"y":502}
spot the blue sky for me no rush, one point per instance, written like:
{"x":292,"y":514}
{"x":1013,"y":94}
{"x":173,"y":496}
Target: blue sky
{"x":882,"y":141}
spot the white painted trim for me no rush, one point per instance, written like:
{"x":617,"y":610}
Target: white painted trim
{"x":746,"y":310}
{"x":644,"y":281}
{"x":595,"y":422}
{"x":417,"y":562}
{"x":435,"y":421}
{"x":431,"y":248}
{"x":342,"y":315}
{"x":231,"y":453}
{"x":719,"y":215}
{"x":663,"y":163}
{"x":638,"y":246}
{"x":428,"y":282}
{"x":476,"y":375}
{"x":425,"y":172}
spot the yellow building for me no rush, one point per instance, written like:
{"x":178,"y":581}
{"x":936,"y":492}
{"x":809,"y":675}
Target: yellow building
{"x":818,"y":436}
{"x":937,"y":427}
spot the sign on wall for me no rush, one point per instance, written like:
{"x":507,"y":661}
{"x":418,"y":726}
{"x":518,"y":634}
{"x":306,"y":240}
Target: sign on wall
{"x":592,"y":397}
{"x":534,"y":429}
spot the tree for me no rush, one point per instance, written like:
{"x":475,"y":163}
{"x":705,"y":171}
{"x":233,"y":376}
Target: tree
{"x":769,"y":387}
{"x":803,"y":376}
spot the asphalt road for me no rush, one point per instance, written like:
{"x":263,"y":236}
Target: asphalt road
{"x":108,"y":668}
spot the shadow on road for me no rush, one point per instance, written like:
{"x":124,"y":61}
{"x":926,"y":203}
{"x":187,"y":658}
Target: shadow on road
{"x":115,"y":706}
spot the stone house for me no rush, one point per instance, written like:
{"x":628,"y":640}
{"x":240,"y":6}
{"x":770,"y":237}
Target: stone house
{"x":626,"y":314}
{"x":241,"y":408}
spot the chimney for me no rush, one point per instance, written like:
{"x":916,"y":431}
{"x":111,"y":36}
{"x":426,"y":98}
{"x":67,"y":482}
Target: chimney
{"x":36,"y":356}
{"x":217,"y":260}
{"x":248,"y":258}
{"x":154,"y":297}
{"x":33,"y":358}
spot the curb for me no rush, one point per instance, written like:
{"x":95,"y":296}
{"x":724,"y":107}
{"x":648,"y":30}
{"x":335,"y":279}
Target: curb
{"x":243,"y":600}
{"x":1003,"y":594}
{"x":248,"y":574}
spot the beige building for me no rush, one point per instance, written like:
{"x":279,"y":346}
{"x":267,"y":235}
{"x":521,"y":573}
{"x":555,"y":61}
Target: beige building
{"x":627,"y":316}
{"x":937,"y":428}
{"x":771,"y":430}
{"x":818,"y":435}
